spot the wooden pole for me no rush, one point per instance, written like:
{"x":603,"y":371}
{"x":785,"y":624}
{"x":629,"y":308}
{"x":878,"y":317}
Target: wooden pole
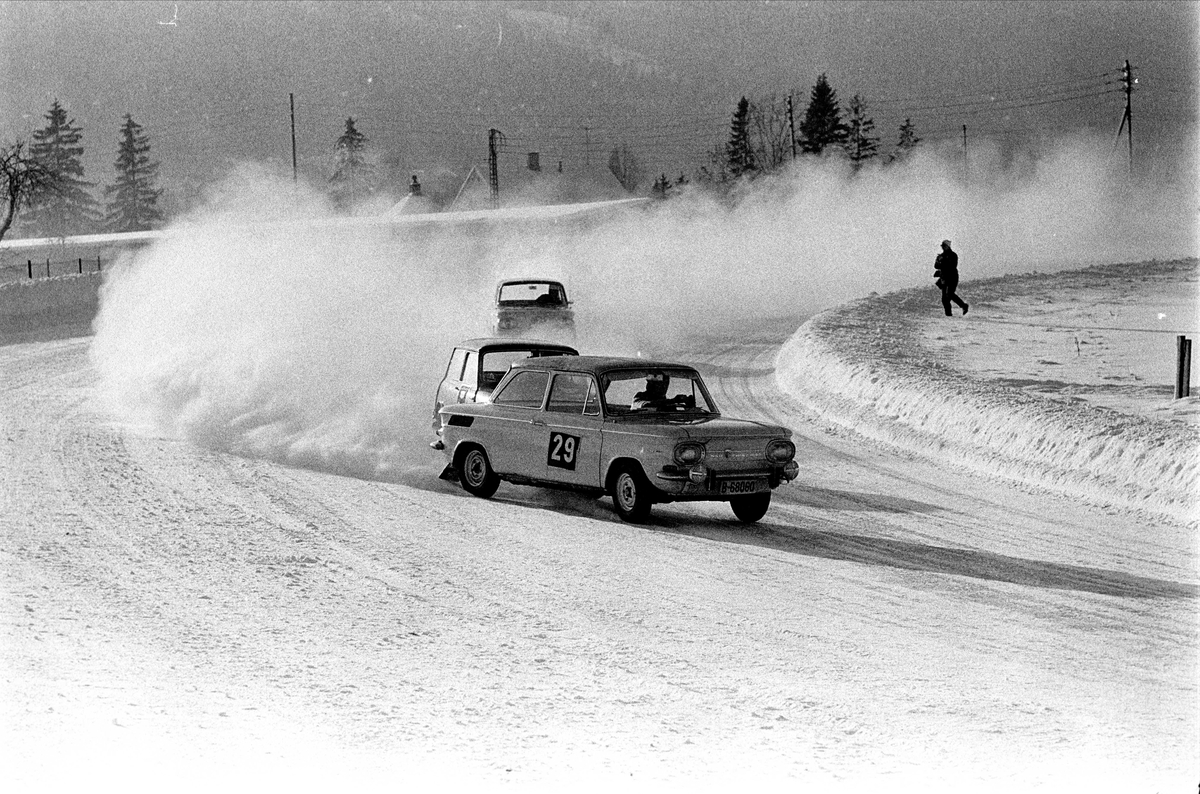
{"x":1181,"y":345}
{"x":47,"y":267}
{"x":1187,"y":367}
{"x":29,"y":262}
{"x":292,"y":103}
{"x":81,"y":265}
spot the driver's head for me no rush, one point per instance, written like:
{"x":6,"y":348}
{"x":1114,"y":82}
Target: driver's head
{"x":657,"y":382}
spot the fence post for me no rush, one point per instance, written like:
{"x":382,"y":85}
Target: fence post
{"x":1183,"y":367}
{"x":47,"y":267}
{"x":29,"y":262}
{"x":81,"y":265}
{"x":97,"y":261}
{"x":1187,"y":367}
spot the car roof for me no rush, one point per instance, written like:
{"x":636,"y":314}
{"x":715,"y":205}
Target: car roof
{"x":505,"y":281}
{"x":596,"y":364}
{"x":512,"y":343}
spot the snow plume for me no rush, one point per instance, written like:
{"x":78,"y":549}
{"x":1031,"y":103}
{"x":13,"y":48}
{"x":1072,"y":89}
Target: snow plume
{"x":251,"y":330}
{"x":818,"y":235}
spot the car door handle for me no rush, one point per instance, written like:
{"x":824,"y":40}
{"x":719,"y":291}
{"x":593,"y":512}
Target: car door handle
{"x":537,"y":422}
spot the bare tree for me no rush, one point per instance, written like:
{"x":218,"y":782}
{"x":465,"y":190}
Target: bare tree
{"x":24,"y":179}
{"x":770,"y":136}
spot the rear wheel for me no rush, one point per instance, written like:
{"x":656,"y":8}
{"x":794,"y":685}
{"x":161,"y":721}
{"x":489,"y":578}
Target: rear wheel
{"x":631,"y":494}
{"x":476,"y":474}
{"x":752,"y":507}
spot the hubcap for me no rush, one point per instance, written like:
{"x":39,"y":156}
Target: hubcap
{"x":474,"y":468}
{"x":626,"y":491}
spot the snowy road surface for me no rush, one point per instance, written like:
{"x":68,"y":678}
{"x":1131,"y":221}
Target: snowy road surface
{"x":178,"y":616}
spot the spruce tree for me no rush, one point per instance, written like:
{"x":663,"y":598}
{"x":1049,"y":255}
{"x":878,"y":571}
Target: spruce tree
{"x":132,"y":200}
{"x":908,"y":141}
{"x":352,"y":176}
{"x":739,"y":154}
{"x":822,"y":125}
{"x":69,"y":208}
{"x":860,"y":144}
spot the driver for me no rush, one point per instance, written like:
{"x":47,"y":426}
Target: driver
{"x":655,"y":393}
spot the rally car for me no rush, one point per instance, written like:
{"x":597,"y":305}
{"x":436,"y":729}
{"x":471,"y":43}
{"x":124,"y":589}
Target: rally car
{"x":531,"y":305}
{"x":642,"y":432}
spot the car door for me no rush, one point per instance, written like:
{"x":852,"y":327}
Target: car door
{"x":572,"y":431}
{"x":513,"y":431}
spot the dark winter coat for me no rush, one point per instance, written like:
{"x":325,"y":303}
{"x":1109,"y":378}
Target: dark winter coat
{"x":945,"y":268}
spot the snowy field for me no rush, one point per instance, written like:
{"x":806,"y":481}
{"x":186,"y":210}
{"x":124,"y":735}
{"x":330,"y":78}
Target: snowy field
{"x":985,"y":578}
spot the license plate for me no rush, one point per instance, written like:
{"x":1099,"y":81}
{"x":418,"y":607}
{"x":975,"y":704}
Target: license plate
{"x":735,"y":487}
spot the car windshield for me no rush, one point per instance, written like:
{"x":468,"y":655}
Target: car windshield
{"x":654,"y":391}
{"x":532,"y":293}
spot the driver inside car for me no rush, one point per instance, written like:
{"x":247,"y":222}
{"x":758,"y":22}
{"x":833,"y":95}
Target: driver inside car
{"x":655,"y":393}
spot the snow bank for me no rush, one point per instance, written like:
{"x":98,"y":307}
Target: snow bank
{"x":863,"y":367}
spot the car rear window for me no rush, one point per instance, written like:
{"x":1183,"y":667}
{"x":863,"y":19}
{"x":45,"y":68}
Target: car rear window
{"x":496,"y":364}
{"x":525,"y":390}
{"x":543,"y":293}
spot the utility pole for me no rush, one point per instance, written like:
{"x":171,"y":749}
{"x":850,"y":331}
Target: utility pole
{"x":966,"y":173}
{"x":792,"y":126}
{"x":495,"y":138}
{"x":1127,"y":79}
{"x":587,"y":148}
{"x":292,"y":102}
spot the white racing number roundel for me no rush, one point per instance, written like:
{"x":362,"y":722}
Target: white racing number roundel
{"x":563,"y":451}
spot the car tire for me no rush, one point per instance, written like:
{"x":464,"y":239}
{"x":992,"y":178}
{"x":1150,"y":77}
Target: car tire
{"x":750,"y":508}
{"x":475,"y":474}
{"x":631,"y":494}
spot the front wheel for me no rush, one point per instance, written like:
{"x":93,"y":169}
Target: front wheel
{"x":631,"y":494}
{"x":752,"y":507}
{"x":476,"y":474}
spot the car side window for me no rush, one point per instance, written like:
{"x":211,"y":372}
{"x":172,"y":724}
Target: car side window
{"x":454,"y":369}
{"x":470,"y":375}
{"x":525,"y":390}
{"x":572,"y":393}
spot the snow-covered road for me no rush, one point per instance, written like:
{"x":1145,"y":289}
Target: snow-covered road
{"x":176,"y":615}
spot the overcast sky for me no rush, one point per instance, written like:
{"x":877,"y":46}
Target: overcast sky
{"x":210,"y":81}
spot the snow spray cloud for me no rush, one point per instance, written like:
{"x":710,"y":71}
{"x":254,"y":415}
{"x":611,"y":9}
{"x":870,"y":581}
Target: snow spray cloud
{"x":250,"y":330}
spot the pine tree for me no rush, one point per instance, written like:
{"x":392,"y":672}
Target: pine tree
{"x":822,"y":125}
{"x":132,"y":200}
{"x":739,"y":154}
{"x":860,"y":144}
{"x":69,"y":208}
{"x":908,"y":141}
{"x":352,"y":176}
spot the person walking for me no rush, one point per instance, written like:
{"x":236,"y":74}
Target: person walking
{"x":945,"y":269}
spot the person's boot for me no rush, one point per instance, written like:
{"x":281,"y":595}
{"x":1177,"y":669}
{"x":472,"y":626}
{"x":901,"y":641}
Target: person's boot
{"x":965,"y":307}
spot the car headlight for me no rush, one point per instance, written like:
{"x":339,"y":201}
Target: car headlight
{"x":688,"y":453}
{"x":780,"y":451}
